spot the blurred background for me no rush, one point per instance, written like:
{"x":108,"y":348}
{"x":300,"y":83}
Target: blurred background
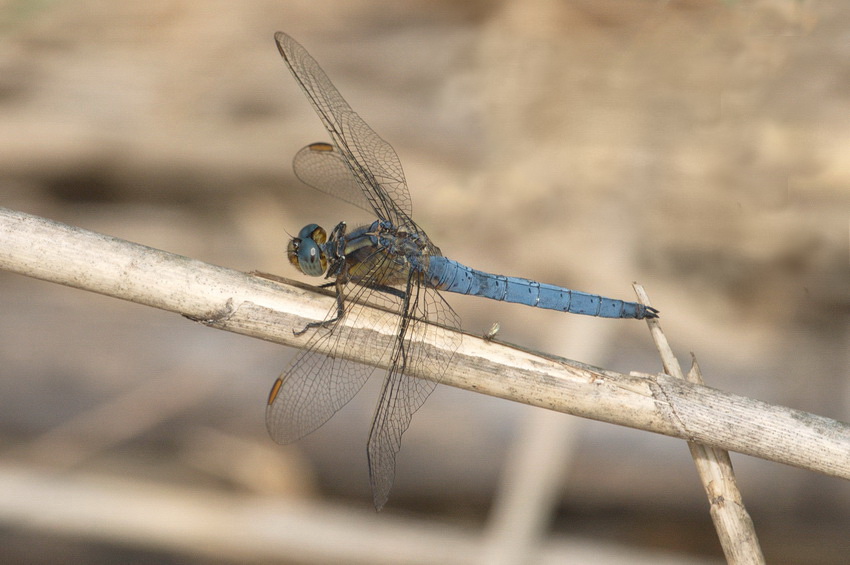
{"x":698,"y":147}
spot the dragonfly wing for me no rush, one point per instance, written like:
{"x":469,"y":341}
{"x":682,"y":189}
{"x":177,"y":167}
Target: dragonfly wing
{"x":311,"y":391}
{"x":323,"y":167}
{"x":424,"y":349}
{"x":371,"y":160}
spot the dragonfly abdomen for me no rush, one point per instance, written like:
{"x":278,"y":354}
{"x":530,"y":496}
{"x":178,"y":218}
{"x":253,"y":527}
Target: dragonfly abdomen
{"x":446,"y":274}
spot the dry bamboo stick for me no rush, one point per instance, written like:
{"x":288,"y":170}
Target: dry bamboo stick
{"x":258,"y":307}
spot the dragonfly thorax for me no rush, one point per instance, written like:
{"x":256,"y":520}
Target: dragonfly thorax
{"x":305,"y":251}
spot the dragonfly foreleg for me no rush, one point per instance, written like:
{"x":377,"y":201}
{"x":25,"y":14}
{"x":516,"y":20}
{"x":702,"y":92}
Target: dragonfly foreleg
{"x":340,"y":311}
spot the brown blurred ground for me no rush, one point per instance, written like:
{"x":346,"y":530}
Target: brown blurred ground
{"x":697,"y":147}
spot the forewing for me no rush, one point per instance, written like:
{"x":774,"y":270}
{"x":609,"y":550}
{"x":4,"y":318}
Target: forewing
{"x":372,"y":161}
{"x":424,"y":349}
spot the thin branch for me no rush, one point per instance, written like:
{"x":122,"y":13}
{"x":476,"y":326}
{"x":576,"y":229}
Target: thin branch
{"x":261,"y":308}
{"x":734,"y":526}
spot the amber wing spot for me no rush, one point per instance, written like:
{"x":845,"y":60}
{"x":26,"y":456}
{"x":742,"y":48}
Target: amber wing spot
{"x":275,"y":389}
{"x":321,"y":146}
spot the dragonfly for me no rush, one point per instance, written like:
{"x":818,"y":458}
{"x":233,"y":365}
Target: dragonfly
{"x":393,"y":265}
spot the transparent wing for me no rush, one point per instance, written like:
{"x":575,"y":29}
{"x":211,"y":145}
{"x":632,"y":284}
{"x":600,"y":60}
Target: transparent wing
{"x":371,"y":160}
{"x":314,"y":387}
{"x":424,"y":349}
{"x":321,"y":166}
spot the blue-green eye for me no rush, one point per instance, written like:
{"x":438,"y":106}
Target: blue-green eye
{"x":305,"y":251}
{"x":311,"y":260}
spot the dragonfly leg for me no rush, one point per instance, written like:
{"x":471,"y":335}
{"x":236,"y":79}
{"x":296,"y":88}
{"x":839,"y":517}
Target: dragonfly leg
{"x":388,"y":289}
{"x":330,"y":322}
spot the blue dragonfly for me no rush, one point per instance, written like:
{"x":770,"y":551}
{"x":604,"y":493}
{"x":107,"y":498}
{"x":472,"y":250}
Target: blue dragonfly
{"x":392,"y":264}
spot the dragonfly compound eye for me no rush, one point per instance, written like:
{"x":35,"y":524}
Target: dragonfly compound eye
{"x":311,"y":260}
{"x":305,"y":251}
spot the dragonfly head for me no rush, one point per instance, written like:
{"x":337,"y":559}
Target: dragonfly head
{"x":305,"y":251}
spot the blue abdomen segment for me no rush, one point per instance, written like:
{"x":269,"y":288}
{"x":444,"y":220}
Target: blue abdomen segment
{"x":446,"y":274}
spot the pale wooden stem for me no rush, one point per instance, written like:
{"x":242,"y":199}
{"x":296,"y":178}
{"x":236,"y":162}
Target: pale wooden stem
{"x":255,"y":306}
